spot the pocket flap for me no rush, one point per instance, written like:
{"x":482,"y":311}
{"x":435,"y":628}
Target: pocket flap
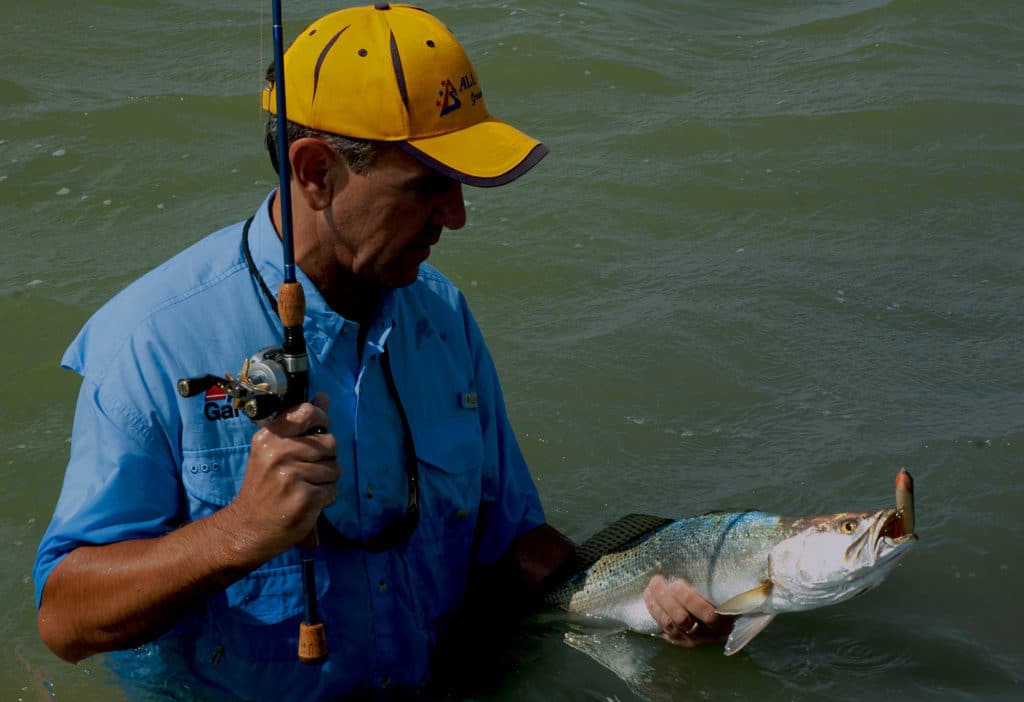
{"x":214,"y":475}
{"x":453,"y":444}
{"x":272,"y":595}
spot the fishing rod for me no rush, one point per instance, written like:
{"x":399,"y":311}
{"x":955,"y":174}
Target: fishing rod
{"x":291,"y":306}
{"x":277,"y":377}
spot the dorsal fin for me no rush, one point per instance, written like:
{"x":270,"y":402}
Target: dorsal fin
{"x":618,"y":536}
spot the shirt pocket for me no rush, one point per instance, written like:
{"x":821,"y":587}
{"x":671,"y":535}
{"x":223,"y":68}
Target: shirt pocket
{"x":212,"y":477}
{"x":273,"y":592}
{"x":450,"y":456}
{"x":256,"y":619}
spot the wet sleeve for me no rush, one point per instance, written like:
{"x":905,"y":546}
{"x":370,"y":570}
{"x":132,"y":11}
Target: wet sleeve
{"x":120,"y":482}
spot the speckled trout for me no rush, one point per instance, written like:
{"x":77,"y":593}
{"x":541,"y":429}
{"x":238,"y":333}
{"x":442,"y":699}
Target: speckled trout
{"x":752,"y":565}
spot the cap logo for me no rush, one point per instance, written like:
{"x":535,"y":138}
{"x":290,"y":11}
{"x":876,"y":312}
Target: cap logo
{"x":449,"y":95}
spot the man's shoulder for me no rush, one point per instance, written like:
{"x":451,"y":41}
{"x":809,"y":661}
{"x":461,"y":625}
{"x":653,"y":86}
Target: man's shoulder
{"x":434,"y":314}
{"x":434,"y":286}
{"x":176,"y":290}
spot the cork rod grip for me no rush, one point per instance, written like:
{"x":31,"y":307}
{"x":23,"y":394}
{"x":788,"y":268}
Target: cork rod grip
{"x":312,"y":643}
{"x":291,"y":304}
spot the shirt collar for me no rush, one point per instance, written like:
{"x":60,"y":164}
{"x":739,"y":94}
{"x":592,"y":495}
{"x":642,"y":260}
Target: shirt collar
{"x":322,"y":324}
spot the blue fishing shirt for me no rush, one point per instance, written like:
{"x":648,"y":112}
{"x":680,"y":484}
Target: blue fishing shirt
{"x":145,"y":461}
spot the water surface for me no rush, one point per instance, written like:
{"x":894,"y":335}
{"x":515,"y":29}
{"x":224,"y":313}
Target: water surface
{"x":775,"y":254}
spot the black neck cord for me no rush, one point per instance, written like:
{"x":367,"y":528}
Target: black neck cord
{"x":253,"y":270}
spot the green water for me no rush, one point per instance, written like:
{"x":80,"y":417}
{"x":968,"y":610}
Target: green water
{"x":776,"y":253}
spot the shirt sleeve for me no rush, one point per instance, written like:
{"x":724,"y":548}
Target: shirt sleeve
{"x":119,"y":483}
{"x":511,"y":504}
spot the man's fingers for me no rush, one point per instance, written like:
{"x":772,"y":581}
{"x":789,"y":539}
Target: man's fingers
{"x":685,"y":615}
{"x":296,"y":452}
{"x":325,"y":472}
{"x":655,"y":609}
{"x":670,"y":614}
{"x":322,"y":401}
{"x":326,"y":494}
{"x":302,"y":419}
{"x":700,"y":608}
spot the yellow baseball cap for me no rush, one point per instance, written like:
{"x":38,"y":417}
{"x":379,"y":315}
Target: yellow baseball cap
{"x":395,"y":73}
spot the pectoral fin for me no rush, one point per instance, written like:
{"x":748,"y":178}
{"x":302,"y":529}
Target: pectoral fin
{"x":745,"y":629}
{"x":746,"y":602}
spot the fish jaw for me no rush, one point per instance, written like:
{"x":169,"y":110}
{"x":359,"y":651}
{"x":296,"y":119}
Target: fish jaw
{"x":834,"y":558}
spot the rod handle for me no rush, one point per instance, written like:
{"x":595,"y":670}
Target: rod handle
{"x":312,"y":643}
{"x":312,"y":635}
{"x":291,"y":304}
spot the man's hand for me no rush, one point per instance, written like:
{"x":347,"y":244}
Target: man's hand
{"x":291,"y":476}
{"x":122,"y":594}
{"x":687,"y":618}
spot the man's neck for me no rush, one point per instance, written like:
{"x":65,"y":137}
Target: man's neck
{"x":354,"y":299}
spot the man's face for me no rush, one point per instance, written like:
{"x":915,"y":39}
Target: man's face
{"x":383,"y":222}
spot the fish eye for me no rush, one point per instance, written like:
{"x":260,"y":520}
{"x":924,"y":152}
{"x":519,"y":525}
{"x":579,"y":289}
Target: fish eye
{"x":849,"y":526}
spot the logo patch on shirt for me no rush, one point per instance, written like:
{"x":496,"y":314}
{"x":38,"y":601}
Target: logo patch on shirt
{"x":216,"y":407}
{"x":216,"y":394}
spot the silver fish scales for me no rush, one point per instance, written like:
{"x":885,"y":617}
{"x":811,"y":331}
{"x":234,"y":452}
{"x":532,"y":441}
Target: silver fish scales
{"x":751,"y":564}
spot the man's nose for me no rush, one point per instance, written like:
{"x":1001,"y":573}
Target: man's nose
{"x":451,"y":208}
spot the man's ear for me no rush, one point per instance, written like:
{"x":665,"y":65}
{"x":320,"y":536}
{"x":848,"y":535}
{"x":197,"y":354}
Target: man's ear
{"x":314,"y":171}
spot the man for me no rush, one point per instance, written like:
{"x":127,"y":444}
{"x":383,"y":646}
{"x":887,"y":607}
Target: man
{"x":176,"y":526}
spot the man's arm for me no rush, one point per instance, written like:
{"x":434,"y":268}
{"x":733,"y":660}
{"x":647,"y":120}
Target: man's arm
{"x":536,"y":555}
{"x":120,"y":595}
{"x":515,"y":584}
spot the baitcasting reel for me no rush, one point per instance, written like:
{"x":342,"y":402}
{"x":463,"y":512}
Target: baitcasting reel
{"x":259,"y":391}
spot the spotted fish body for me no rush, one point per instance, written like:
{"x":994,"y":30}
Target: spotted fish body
{"x":750,"y":564}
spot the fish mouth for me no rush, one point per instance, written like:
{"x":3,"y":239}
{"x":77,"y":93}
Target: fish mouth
{"x":884,"y":541}
{"x":890,"y":532}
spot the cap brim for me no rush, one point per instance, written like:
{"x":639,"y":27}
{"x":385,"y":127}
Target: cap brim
{"x":486,"y":154}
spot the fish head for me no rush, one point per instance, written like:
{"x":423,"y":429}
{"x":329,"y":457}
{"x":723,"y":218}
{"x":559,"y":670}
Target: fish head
{"x":832,"y":558}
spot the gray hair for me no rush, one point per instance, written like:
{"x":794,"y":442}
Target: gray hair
{"x":359,"y":154}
